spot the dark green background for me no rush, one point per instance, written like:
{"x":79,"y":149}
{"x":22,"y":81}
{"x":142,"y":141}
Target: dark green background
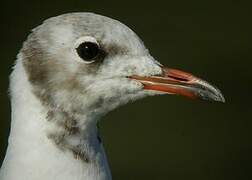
{"x":164,"y":137}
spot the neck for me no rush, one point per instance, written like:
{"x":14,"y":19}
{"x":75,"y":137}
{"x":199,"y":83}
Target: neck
{"x":41,"y":148}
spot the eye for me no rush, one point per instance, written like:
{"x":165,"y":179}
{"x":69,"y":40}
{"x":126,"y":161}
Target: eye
{"x":88,"y":51}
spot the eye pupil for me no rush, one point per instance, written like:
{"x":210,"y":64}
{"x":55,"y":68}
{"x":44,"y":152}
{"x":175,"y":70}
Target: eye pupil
{"x":88,"y":50}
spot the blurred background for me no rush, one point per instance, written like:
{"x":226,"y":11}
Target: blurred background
{"x":164,"y":137}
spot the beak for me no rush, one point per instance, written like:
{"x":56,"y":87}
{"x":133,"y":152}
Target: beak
{"x":173,"y":81}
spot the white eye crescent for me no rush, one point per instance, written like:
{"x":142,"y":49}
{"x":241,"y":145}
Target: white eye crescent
{"x":87,"y":49}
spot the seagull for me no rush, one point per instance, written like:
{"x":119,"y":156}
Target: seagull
{"x":71,"y":71}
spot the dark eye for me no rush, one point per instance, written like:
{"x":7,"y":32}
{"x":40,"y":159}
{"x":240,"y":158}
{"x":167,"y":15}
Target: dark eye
{"x":88,"y":50}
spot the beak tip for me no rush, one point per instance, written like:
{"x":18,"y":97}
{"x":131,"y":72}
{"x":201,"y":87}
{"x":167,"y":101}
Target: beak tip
{"x":218,"y":97}
{"x":221,"y":98}
{"x":210,"y":93}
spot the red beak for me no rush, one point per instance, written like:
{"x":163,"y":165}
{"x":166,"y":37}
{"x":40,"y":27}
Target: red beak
{"x":177,"y":82}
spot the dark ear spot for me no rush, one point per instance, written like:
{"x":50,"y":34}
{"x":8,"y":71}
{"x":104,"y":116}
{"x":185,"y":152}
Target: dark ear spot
{"x":33,"y":64}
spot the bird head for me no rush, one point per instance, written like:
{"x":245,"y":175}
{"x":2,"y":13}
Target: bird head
{"x":83,"y":62}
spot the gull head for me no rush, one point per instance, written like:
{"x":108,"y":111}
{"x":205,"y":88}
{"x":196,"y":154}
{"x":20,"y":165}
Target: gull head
{"x":83,"y":62}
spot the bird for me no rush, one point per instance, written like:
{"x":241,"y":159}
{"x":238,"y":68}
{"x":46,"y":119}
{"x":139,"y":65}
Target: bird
{"x":72,"y":70}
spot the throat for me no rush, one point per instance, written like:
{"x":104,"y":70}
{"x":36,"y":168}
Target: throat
{"x":49,"y":143}
{"x":68,"y":135}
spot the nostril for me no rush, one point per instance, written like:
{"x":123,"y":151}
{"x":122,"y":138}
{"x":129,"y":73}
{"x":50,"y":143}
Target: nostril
{"x":178,"y":78}
{"x":177,"y":75}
